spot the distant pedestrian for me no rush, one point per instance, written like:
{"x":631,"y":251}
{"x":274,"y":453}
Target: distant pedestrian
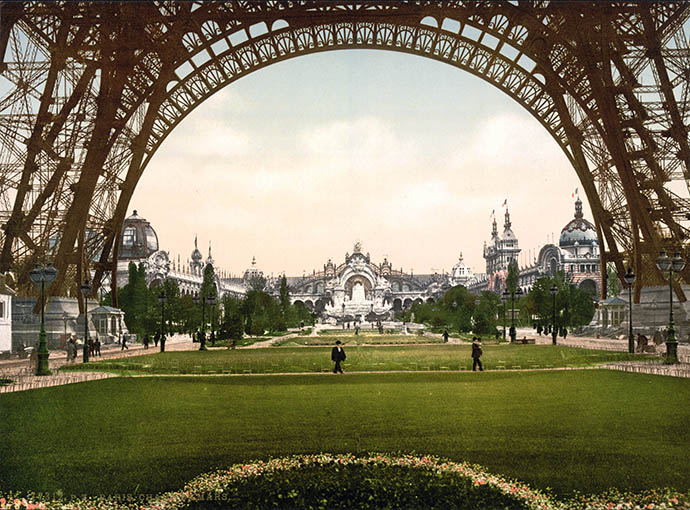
{"x":145,"y":341}
{"x":156,"y":337}
{"x":74,"y":348}
{"x":476,"y":354}
{"x":445,"y":336}
{"x":338,"y":355}
{"x":356,"y":329}
{"x":124,"y":342}
{"x":163,"y":342}
{"x":91,"y":347}
{"x":97,"y":347}
{"x":69,"y":347}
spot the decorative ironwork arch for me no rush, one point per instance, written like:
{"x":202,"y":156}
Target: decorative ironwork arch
{"x":96,"y":88}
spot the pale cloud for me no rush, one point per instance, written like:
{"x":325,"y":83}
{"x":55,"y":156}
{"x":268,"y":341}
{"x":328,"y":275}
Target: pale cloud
{"x":207,"y":138}
{"x":418,"y":198}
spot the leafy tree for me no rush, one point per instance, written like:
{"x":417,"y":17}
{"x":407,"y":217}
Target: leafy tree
{"x":284,"y":295}
{"x":574,"y":306}
{"x":485,"y":313}
{"x":134,"y":300}
{"x":513,"y":278}
{"x":613,"y":284}
{"x":209,"y":290}
{"x":257,"y":282}
{"x":232,"y":325}
{"x":173,"y":309}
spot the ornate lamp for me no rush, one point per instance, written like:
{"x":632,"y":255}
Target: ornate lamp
{"x":211,"y":300}
{"x":677,"y":264}
{"x":43,"y":275}
{"x":554,"y":332}
{"x":85,"y":289}
{"x":161,"y":300}
{"x":629,"y":278}
{"x":504,"y":300}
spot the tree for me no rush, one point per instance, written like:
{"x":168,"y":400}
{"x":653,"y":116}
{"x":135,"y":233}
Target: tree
{"x":484,"y":316}
{"x":233,"y":323}
{"x":173,"y":309}
{"x":513,"y":278}
{"x":134,"y":300}
{"x":257,"y":282}
{"x":284,"y":296}
{"x":574,"y":306}
{"x":613,"y":285}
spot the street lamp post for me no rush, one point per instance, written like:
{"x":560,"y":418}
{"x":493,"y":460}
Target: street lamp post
{"x":212,"y":302}
{"x":664,"y":263}
{"x":504,"y":300}
{"x":162,"y":298}
{"x":43,"y":275}
{"x":554,"y":332}
{"x":630,"y":279}
{"x":85,"y":289}
{"x":513,"y":333}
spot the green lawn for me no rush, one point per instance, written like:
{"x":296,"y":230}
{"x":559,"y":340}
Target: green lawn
{"x":359,"y":358}
{"x":585,"y":430}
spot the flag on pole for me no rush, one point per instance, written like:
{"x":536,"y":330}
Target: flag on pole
{"x":504,"y":203}
{"x":574,"y":193}
{"x":492,"y":214}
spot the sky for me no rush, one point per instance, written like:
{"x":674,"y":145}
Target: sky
{"x":296,"y":162}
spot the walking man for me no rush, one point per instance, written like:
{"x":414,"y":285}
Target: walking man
{"x":445,"y":336}
{"x":476,"y":354}
{"x":338,"y":355}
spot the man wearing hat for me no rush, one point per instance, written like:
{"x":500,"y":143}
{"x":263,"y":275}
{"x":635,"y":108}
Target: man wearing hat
{"x":337,"y":355}
{"x":476,"y":354}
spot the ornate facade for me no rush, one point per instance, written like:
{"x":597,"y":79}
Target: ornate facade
{"x":358,"y":287}
{"x":139,"y":244}
{"x":577,"y":255}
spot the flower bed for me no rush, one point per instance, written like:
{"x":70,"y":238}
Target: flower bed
{"x":345,"y":481}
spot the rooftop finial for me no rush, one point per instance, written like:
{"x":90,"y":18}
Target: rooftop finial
{"x":578,"y":209}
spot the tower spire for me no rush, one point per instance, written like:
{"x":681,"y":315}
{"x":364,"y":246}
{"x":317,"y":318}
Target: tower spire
{"x":578,"y":209}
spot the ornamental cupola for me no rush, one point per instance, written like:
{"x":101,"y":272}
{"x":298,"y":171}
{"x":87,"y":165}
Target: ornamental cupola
{"x":329,"y":269}
{"x":508,"y":234}
{"x":385,"y":267}
{"x":209,"y":259}
{"x":578,"y":230}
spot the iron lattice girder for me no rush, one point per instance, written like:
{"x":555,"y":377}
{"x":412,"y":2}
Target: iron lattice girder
{"x":172,"y":56}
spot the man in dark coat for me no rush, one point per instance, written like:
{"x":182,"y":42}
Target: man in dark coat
{"x":338,"y":355}
{"x":476,"y":354}
{"x":445,"y":336}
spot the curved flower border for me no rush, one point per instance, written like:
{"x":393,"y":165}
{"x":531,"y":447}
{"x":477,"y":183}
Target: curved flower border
{"x":207,"y":485}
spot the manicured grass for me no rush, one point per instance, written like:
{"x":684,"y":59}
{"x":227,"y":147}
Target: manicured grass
{"x":368,"y":338}
{"x":568,"y":430}
{"x":359,"y":358}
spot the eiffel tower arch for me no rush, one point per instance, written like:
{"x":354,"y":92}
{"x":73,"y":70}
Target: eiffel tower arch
{"x":89,"y":91}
